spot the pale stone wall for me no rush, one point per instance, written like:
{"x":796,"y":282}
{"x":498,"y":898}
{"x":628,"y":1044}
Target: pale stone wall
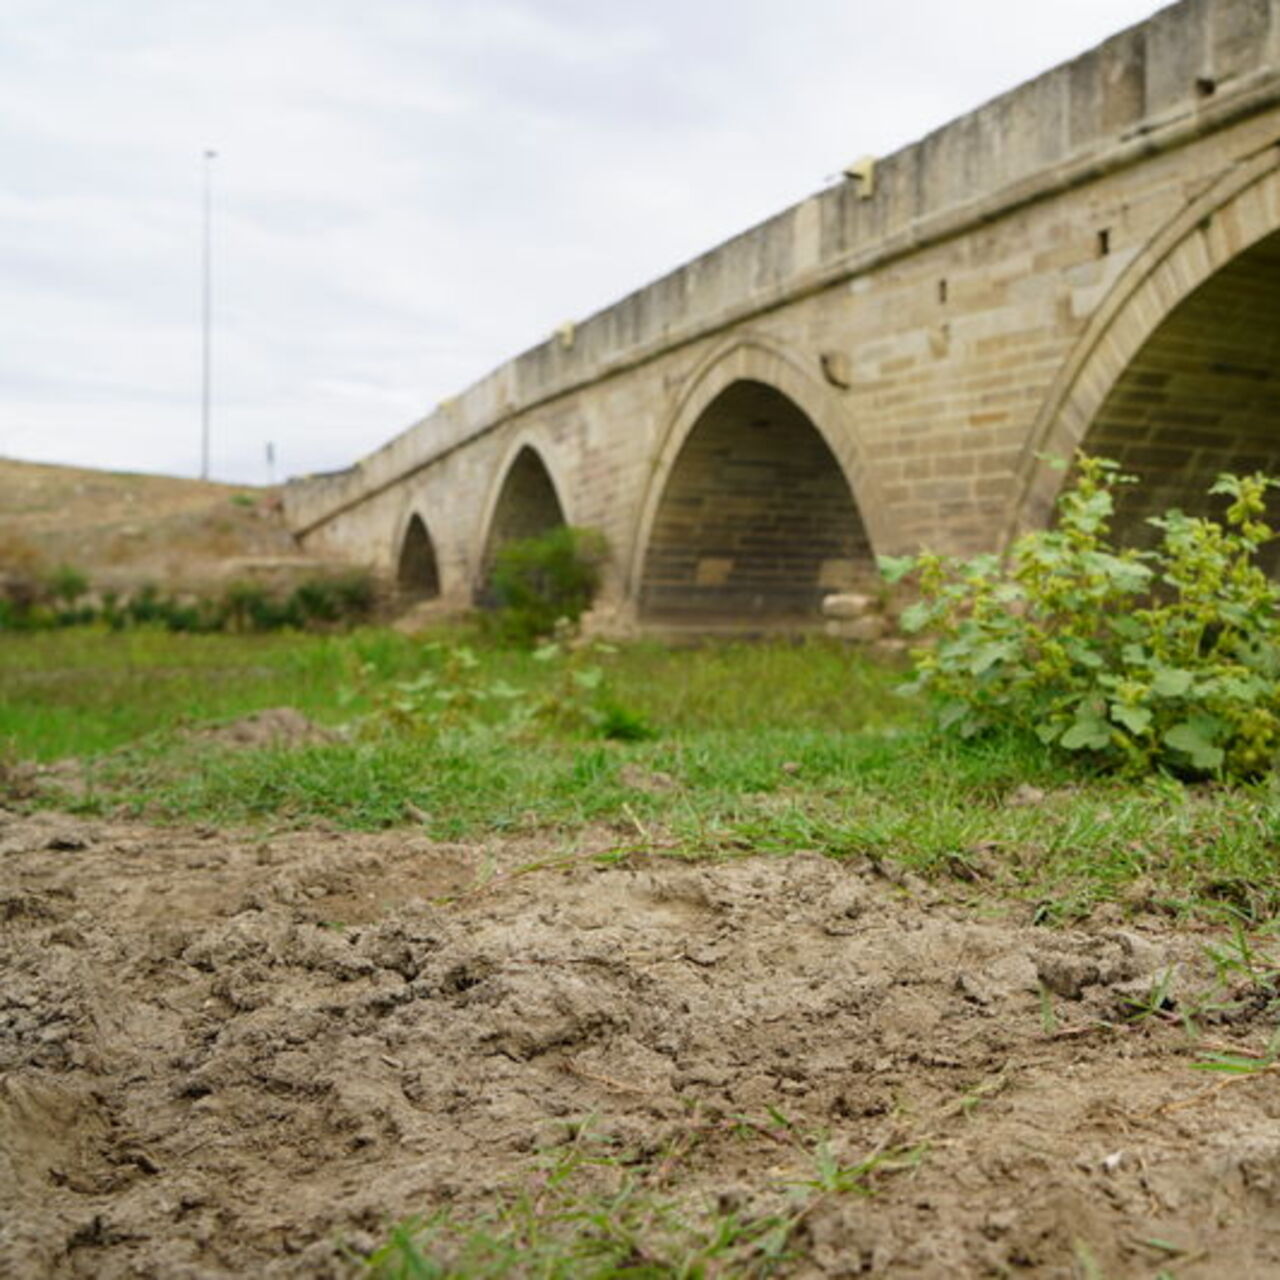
{"x":982,"y":303}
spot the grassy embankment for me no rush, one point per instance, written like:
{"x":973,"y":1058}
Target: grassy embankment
{"x":763,"y":749}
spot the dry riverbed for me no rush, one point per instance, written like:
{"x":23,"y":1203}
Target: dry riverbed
{"x":232,"y":1054}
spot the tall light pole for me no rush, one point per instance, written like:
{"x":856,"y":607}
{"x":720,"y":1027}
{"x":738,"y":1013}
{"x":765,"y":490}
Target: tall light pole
{"x":207,"y":307}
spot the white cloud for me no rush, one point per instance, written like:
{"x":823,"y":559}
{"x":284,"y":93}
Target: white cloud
{"x":410,"y":191}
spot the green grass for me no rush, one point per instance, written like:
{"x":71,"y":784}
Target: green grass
{"x":755,"y":748}
{"x":83,"y":692}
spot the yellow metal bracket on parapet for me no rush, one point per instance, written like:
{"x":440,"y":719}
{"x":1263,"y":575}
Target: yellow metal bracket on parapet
{"x":863,"y":172}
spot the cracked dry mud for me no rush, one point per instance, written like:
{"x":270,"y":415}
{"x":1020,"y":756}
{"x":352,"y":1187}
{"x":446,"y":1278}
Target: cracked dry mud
{"x":222,"y":1053}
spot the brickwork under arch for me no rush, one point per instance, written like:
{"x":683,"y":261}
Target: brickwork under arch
{"x":1201,"y":397}
{"x":756,"y":519}
{"x":1178,"y":375}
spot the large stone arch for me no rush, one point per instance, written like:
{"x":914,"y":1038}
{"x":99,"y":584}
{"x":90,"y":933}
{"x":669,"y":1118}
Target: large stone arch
{"x":414,"y":556}
{"x":756,"y":498}
{"x":1178,"y":372}
{"x":524,"y":501}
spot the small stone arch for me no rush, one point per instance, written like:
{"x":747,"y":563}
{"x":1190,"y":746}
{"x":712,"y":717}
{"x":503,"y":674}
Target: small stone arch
{"x":751,"y":513}
{"x":525,"y":503}
{"x":1178,"y":373}
{"x":417,"y":570}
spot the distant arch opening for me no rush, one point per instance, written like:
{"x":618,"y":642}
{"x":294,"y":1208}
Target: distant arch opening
{"x":757,"y":521}
{"x":1200,"y":397}
{"x":527,"y":505}
{"x":417,"y":573}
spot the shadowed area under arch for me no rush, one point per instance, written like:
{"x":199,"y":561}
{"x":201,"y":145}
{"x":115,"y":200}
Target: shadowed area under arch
{"x":527,"y":505}
{"x":1202,"y":396}
{"x":757,"y":520}
{"x":417,"y":573}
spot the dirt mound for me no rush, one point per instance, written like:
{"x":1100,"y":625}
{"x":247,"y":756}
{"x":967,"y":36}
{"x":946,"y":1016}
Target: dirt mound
{"x":274,"y":727}
{"x":71,"y":777}
{"x":43,"y":496}
{"x":220,"y":1054}
{"x":124,"y":529}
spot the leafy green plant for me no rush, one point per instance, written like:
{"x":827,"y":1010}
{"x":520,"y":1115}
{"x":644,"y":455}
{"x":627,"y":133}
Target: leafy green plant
{"x":712,"y":786}
{"x":579,"y":698}
{"x":147,"y":606}
{"x":345,"y":598}
{"x":67,"y":584}
{"x":248,"y":606}
{"x":455,"y":689}
{"x":31,"y":599}
{"x":1141,"y":659}
{"x":16,"y":612}
{"x":537,"y":582}
{"x":32,"y":602}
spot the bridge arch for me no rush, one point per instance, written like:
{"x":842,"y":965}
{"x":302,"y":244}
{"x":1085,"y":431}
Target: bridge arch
{"x":523,"y":502}
{"x":1178,"y":373}
{"x":417,"y":569}
{"x":755,"y":504}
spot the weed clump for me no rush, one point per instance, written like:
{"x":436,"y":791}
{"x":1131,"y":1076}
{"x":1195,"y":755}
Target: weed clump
{"x":538,"y":582}
{"x":1166,"y":658}
{"x":31,"y":598}
{"x":455,"y":691}
{"x":31,"y":601}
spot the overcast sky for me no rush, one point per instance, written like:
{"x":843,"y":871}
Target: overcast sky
{"x":409,"y":192}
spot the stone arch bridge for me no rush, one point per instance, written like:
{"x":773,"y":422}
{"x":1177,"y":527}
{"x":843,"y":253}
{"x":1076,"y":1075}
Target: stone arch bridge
{"x":1091,"y":260}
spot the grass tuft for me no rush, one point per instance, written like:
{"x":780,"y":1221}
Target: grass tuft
{"x":750,"y":748}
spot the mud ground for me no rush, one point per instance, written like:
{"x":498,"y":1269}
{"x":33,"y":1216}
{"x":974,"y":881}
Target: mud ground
{"x":228,"y":1054}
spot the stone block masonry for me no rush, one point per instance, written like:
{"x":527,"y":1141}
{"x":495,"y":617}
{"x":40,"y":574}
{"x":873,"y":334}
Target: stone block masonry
{"x":1091,"y":260}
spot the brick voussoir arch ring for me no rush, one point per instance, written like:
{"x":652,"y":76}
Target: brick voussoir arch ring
{"x":1237,"y":211}
{"x":754,"y":358}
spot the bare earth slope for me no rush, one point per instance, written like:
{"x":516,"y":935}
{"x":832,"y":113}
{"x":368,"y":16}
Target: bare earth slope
{"x":221,"y":1053}
{"x":123,"y":529}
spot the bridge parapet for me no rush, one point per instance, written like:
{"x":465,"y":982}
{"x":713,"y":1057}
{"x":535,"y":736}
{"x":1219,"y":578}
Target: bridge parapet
{"x":1000,"y":199}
